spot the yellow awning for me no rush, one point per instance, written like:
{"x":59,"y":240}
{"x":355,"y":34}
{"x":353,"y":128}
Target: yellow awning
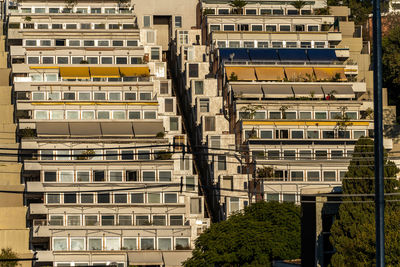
{"x":270,"y":74}
{"x":74,"y":72}
{"x":134,"y":71}
{"x":330,"y":74}
{"x":104,"y":72}
{"x":299,"y":74}
{"x":242,"y":73}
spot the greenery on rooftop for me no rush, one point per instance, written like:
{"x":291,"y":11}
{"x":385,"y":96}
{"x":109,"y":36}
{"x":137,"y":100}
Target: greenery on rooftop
{"x":238,"y":6}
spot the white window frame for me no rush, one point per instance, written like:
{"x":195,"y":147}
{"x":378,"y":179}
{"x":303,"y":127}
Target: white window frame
{"x":111,"y":238}
{"x":60,"y":238}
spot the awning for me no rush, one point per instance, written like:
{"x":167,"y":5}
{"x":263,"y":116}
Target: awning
{"x":308,"y":90}
{"x":329,"y":74}
{"x":77,"y":257}
{"x":5,"y":74}
{"x":322,"y":55}
{"x":52,"y":128}
{"x":247,"y":90}
{"x":85,"y":129}
{"x":339,"y":90}
{"x":270,"y":74}
{"x":109,"y":257}
{"x":291,"y":54}
{"x":259,"y":54}
{"x":299,"y":74}
{"x":147,"y":128}
{"x":74,"y":72}
{"x":175,"y":258}
{"x":277,"y":90}
{"x":145,"y":258}
{"x":104,"y":72}
{"x":242,"y":73}
{"x":236,"y":54}
{"x":116,"y":128}
{"x":134,"y":71}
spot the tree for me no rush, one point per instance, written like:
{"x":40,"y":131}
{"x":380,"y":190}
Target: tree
{"x":238,"y":5}
{"x":391,"y":64}
{"x":353,"y":231}
{"x":299,"y":4}
{"x":263,"y":232}
{"x":7,"y":253}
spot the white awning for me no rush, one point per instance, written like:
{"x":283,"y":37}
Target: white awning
{"x":175,"y":258}
{"x":145,"y":258}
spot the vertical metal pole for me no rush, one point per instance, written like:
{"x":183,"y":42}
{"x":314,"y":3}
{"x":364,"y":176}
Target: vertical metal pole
{"x":378,"y":140}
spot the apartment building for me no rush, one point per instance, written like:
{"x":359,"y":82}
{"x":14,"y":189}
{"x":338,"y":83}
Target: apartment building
{"x":107,"y":178}
{"x":288,"y":90}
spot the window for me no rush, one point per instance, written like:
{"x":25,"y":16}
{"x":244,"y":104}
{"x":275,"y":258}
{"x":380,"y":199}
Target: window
{"x":233,"y":204}
{"x":87,"y":198}
{"x":262,"y":44}
{"x":103,"y":197}
{"x":43,"y":26}
{"x":50,"y":176}
{"x":147,"y":243}
{"x":146,"y":21}
{"x":185,"y":163}
{"x":312,"y":134}
{"x":95,"y":10}
{"x":47,"y":154}
{"x":181,"y":243}
{"x":193,"y":70}
{"x":328,"y":134}
{"x":92,"y":60}
{"x":178,"y":22}
{"x":266,"y":134}
{"x":134,"y":115}
{"x":305,"y":44}
{"x":56,"y":220}
{"x":164,"y":243}
{"x":107,"y":220}
{"x":109,"y":10}
{"x":118,"y":115}
{"x":100,"y":26}
{"x":291,"y":44}
{"x":74,"y":220}
{"x":221,"y":163}
{"x":53,"y":198}
{"x":273,"y":154}
{"x":159,"y":220}
{"x":195,"y":206}
{"x":234,"y":44}
{"x":284,"y":28}
{"x":153,"y":198}
{"x":176,"y":220}
{"x":204,"y":105}
{"x":312,"y":28}
{"x":282,"y":134}
{"x":229,"y":27}
{"x":59,"y":243}
{"x":106,"y":60}
{"x":66,"y":177}
{"x":47,"y":60}
{"x":94,"y":243}
{"x":51,"y":77}
{"x":33,"y":60}
{"x":289,"y":198}
{"x":270,"y":28}
{"x":77,"y":60}
{"x":115,"y":176}
{"x":321,"y":154}
{"x":329,"y":176}
{"x":129,"y":243}
{"x":256,"y":28}
{"x":265,"y":11}
{"x":137,"y":198}
{"x":344,"y":134}
{"x":84,"y":96}
{"x":290,"y":115}
{"x":121,"y":60}
{"x":127,"y":154}
{"x":297,"y":175}
{"x":69,"y":198}
{"x":164,"y":176}
{"x":358,"y":134}
{"x":277,"y":44}
{"x":30,"y":42}
{"x":215,"y":28}
{"x":53,"y":10}
{"x":209,"y":123}
{"x":248,"y":44}
{"x":319,"y":44}
{"x":251,"y":11}
{"x":223,"y":11}
{"x":124,"y":220}
{"x":170,"y":198}
{"x":289,"y":154}
{"x":155,"y":53}
{"x":173,"y":124}
{"x":88,"y":115}
{"x":99,"y":96}
{"x":72,"y":115}
{"x":336,"y":154}
{"x":296,"y":134}
{"x":275,"y":115}
{"x":112,"y":243}
{"x":313,"y":176}
{"x":82,"y":176}
{"x":132,"y":43}
{"x":272,"y":197}
{"x":351,"y":115}
{"x":142,"y":220}
{"x":190,"y":183}
{"x":45,"y":43}
{"x":149,"y":176}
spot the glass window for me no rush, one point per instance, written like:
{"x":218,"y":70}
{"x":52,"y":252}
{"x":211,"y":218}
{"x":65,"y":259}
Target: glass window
{"x":155,"y":53}
{"x":59,"y":243}
{"x":147,"y":243}
{"x":266,"y":134}
{"x":195,"y":208}
{"x":256,"y":28}
{"x":121,"y":60}
{"x":47,"y":154}
{"x":107,"y":220}
{"x":82,"y":176}
{"x":103,"y":197}
{"x":99,"y":96}
{"x":92,"y":60}
{"x":71,"y":26}
{"x":103,"y":115}
{"x":273,"y":154}
{"x":69,"y":198}
{"x":132,"y":176}
{"x":53,"y":198}
{"x":233,"y":204}
{"x":181,"y":243}
{"x":164,"y":176}
{"x":229,"y":27}
{"x":72,"y":114}
{"x":153,"y":198}
{"x":66,"y":177}
{"x":305,"y":154}
{"x":178,"y":22}
{"x":176,"y":219}
{"x":146,"y":21}
{"x":119,"y":115}
{"x":130,"y":96}
{"x":164,"y":243}
{"x":75,"y":43}
{"x":321,"y":154}
{"x":137,"y":198}
{"x":87,"y":198}
{"x":114,"y":96}
{"x":320,"y":115}
{"x":88,"y":115}
{"x":215,"y":28}
{"x":284,"y":28}
{"x":51,"y":77}
{"x":100,"y":26}
{"x":149,"y":176}
{"x":289,"y":198}
{"x":106,"y":60}
{"x":336,"y":115}
{"x":134,"y":115}
{"x":275,"y":114}
{"x":291,"y":115}
{"x":142,"y":220}
{"x":124,"y":219}
{"x":221,"y":163}
{"x":30,"y":43}
{"x":129,"y":243}
{"x":328,"y":134}
{"x":297,"y":175}
{"x":344,"y":134}
{"x":358,"y":134}
{"x":289,"y":154}
{"x":170,"y":198}
{"x":38,"y":96}
{"x":351,"y":115}
{"x":86,"y":26}
{"x":54,"y":95}
{"x":33,"y":60}
{"x":50,"y":176}
{"x":313,"y":176}
{"x":95,"y":10}
{"x":94,"y":243}
{"x":336,"y":154}
{"x":297,"y":134}
{"x":56,"y":220}
{"x":112,"y":243}
{"x":272,"y":197}
{"x":150,"y":115}
{"x":329,"y":176}
{"x":270,"y":28}
{"x":262,"y":44}
{"x":69,"y":96}
{"x":54,"y":10}
{"x":115,"y":176}
{"x":159,"y":220}
{"x":312,"y":28}
{"x":312,"y":134}
{"x":248,"y":44}
{"x":74,"y":220}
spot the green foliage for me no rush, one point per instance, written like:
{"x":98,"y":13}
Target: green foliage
{"x":353,"y":232}
{"x":265,"y":172}
{"x":299,"y":4}
{"x":262,"y":233}
{"x":233,"y":77}
{"x":391,"y":64}
{"x":238,"y":6}
{"x":7,"y":253}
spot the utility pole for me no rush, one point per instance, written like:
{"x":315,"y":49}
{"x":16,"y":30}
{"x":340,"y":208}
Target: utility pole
{"x":378,"y":140}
